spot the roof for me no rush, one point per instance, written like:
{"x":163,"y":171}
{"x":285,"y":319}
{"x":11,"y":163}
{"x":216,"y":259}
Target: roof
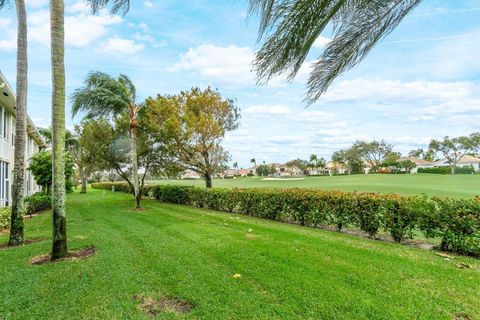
{"x":418,"y":162}
{"x":7,"y":99}
{"x":469,"y":159}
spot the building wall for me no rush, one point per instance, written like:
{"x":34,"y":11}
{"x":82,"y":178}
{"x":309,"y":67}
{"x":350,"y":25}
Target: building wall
{"x":7,"y":137}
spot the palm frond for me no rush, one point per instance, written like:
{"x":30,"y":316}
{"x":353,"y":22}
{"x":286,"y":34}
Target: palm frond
{"x":116,"y":5}
{"x":292,"y":26}
{"x":355,"y":37}
{"x":101,"y":96}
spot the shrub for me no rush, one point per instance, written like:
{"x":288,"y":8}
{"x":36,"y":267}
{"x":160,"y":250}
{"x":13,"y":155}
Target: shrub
{"x":455,"y":221}
{"x":37,"y":202}
{"x":447,"y":170}
{"x":5,"y":214}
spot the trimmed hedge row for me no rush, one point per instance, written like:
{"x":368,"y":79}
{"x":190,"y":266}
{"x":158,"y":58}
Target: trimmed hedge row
{"x":455,"y":221}
{"x":447,"y":170}
{"x":37,"y":202}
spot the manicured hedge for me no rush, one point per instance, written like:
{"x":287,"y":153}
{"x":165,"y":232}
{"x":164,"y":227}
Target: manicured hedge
{"x":37,"y":202}
{"x":5,"y":214}
{"x":447,"y":170}
{"x":455,"y":221}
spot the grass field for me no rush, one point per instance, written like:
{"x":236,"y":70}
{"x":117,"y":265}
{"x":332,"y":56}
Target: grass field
{"x":411,"y":184}
{"x":287,"y":271}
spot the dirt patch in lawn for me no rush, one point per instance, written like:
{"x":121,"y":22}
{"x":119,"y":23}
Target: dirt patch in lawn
{"x":72,"y":255}
{"x":25,"y":243}
{"x":153,"y":307}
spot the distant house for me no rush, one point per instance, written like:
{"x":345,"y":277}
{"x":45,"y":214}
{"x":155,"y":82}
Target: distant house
{"x":419,"y":163}
{"x":335,"y":168}
{"x":230,"y":173}
{"x":190,"y":175}
{"x":465,"y":161}
{"x":282,"y":170}
{"x":367,"y":167}
{"x":246,"y":172}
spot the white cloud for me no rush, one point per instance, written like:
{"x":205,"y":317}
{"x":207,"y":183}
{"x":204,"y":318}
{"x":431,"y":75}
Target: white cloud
{"x":81,"y":27}
{"x":321,"y":42}
{"x":268,"y":110}
{"x":148,"y":4}
{"x":9,"y":33}
{"x":228,"y":65}
{"x":36,"y":3}
{"x":395,"y":91}
{"x":121,"y":46}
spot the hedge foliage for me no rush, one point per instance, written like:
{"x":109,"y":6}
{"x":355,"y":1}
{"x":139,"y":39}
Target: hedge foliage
{"x":5,"y":217}
{"x":37,"y":202}
{"x":447,"y":170}
{"x":455,"y":221}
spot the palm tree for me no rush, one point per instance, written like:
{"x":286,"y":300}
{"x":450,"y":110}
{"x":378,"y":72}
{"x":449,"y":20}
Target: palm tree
{"x":313,"y":161}
{"x":292,"y":26}
{"x":57,"y":36}
{"x":16,"y":225}
{"x":105,"y":96}
{"x":254,"y":161}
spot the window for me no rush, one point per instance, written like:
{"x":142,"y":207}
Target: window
{"x":4,"y":183}
{"x":5,"y":124}
{"x":1,"y":121}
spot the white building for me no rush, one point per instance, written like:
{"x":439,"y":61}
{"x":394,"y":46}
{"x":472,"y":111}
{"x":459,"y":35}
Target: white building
{"x":465,"y":161}
{"x":7,"y":138}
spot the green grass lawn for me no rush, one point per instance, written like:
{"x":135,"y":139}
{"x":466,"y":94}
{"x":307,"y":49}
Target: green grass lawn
{"x":410,"y":184}
{"x":288,"y":272}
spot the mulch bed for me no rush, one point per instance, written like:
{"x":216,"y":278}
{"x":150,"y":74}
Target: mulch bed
{"x":153,"y":307}
{"x":25,"y":242}
{"x":72,"y":255}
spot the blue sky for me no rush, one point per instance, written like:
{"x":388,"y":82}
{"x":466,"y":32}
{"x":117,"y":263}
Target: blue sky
{"x":421,"y":82}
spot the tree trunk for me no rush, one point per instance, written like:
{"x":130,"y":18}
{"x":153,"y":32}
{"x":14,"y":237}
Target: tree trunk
{"x":83,"y":177}
{"x":136,"y":189}
{"x":208,"y":180}
{"x":59,"y":245}
{"x":452,"y":169}
{"x":16,"y":226}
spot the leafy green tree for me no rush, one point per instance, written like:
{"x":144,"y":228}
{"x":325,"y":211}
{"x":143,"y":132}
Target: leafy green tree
{"x":290,"y":28}
{"x":299,"y":163}
{"x":408,"y":165}
{"x":192,"y":125}
{"x":41,"y":168}
{"x":454,"y":149}
{"x":427,"y":155}
{"x":264,"y":170}
{"x":86,"y":152}
{"x":105,"y":96}
{"x":350,"y":158}
{"x":392,"y":161}
{"x":16,"y":219}
{"x":374,"y":152}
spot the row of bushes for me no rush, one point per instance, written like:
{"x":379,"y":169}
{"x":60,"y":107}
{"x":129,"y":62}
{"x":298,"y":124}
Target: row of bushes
{"x":447,"y":170}
{"x":34,"y":203}
{"x":455,"y":221}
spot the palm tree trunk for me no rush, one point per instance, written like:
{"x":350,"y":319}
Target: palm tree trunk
{"x":59,"y":245}
{"x":136,"y":189}
{"x":16,"y":226}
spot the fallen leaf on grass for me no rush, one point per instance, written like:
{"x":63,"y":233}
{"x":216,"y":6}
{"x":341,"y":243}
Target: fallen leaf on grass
{"x":237,"y":275}
{"x":250,"y":230}
{"x":462,"y":265}
{"x":444,"y":255}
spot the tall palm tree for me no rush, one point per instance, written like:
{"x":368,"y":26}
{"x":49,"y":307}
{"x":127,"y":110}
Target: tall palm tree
{"x":105,"y":96}
{"x":254,"y":161}
{"x":57,"y":34}
{"x":292,"y":26}
{"x":16,"y":225}
{"x":313,"y":161}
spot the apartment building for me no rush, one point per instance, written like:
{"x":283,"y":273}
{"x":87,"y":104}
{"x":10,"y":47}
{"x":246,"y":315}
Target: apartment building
{"x":7,"y":137}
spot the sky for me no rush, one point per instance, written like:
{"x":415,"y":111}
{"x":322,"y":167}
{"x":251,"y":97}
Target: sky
{"x":421,"y":82}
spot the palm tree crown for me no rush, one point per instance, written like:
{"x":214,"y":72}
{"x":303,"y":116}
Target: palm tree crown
{"x":103,"y":95}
